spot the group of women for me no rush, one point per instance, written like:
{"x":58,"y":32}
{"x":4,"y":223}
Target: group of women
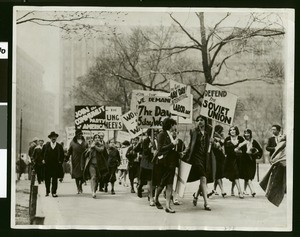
{"x":153,"y":161}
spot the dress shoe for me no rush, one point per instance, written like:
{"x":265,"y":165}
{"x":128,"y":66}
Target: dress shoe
{"x":152,"y":203}
{"x":195,"y":199}
{"x":105,"y":189}
{"x":207,"y":207}
{"x":253,"y":194}
{"x":132,"y":190}
{"x":54,"y":195}
{"x":94,"y":195}
{"x":139,"y":193}
{"x":169,"y":210}
{"x":224,"y":194}
{"x":113,"y":192}
{"x":175,"y":202}
{"x":241,"y":196}
{"x":47,"y":195}
{"x":158,"y":205}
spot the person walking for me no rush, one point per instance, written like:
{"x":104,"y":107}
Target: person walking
{"x":77,"y":146}
{"x":233,"y":154}
{"x":114,"y":161}
{"x":30,"y":164}
{"x":165,"y":161}
{"x":53,"y":156}
{"x":197,"y":155}
{"x":94,"y":163}
{"x":218,"y":151}
{"x":273,"y":141}
{"x":37,"y":159}
{"x":132,"y":155}
{"x":251,"y":151}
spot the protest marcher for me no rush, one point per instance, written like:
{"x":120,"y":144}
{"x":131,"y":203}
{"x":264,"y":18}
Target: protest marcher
{"x":37,"y":159}
{"x":64,"y":162}
{"x":274,"y":182}
{"x":114,"y":161}
{"x":251,"y":151}
{"x":123,"y":168}
{"x":102,"y":180}
{"x":53,"y":156}
{"x":94,"y":163}
{"x":77,"y":146}
{"x":133,"y":161}
{"x":165,"y":161}
{"x":218,"y":151}
{"x":146,"y":166}
{"x":180,"y":147}
{"x":233,"y":154}
{"x":197,"y":155}
{"x":272,"y":141}
{"x":32,"y":146}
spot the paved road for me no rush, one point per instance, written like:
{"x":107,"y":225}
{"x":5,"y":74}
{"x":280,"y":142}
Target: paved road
{"x":126,"y":211}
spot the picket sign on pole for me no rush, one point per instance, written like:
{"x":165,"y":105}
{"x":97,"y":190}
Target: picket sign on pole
{"x":212,"y":135}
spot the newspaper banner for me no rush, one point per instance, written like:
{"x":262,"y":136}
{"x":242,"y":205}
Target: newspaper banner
{"x":152,"y":110}
{"x":90,"y":117}
{"x":124,"y":160}
{"x":218,"y":104}
{"x":180,"y":178}
{"x":130,"y":122}
{"x":113,"y":118}
{"x":137,"y":95}
{"x":178,"y":91}
{"x":123,"y":136}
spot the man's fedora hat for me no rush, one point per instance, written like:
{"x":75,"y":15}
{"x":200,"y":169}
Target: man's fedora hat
{"x":53,"y":134}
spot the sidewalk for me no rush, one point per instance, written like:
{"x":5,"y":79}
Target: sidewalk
{"x":126,"y":211}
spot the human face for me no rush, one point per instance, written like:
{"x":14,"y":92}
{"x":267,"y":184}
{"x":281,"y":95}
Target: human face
{"x":41,"y":143}
{"x":275,"y":131}
{"x":53,"y":139}
{"x":101,"y":136}
{"x":97,"y":139}
{"x":112,"y":144}
{"x":247,"y":136}
{"x":173,"y":128}
{"x":201,"y":122}
{"x":232,"y":131}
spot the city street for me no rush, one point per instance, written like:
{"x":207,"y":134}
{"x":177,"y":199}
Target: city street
{"x":126,"y":211}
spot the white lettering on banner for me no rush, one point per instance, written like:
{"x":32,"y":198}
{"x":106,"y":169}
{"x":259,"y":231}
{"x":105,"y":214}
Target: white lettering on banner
{"x":85,"y":114}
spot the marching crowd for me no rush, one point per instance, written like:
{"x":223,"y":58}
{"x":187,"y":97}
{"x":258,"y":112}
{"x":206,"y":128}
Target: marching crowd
{"x":154,"y":157}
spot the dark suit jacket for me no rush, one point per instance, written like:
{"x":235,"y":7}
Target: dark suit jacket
{"x":53,"y":160}
{"x":271,"y":145}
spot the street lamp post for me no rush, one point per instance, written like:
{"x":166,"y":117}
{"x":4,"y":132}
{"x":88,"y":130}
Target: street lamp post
{"x":20,"y":151}
{"x":246,"y":120}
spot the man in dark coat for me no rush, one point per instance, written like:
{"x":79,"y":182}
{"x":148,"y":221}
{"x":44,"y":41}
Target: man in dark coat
{"x":53,"y":156}
{"x":32,"y":146}
{"x":272,"y":141}
{"x":38,"y":161}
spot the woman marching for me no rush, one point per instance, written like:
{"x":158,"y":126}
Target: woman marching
{"x":77,"y":146}
{"x":251,"y":151}
{"x":196,"y":154}
{"x":218,"y":151}
{"x":114,"y":160}
{"x":165,"y":161}
{"x":94,"y":161}
{"x":233,"y":154}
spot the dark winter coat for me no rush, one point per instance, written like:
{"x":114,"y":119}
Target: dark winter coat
{"x":75,"y":151}
{"x":53,"y":159}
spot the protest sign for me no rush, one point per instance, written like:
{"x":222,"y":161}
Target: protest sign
{"x":123,"y":136}
{"x":180,"y":178}
{"x":152,"y":110}
{"x":178,"y":91}
{"x":218,"y":105}
{"x":124,"y":161}
{"x":90,"y":117}
{"x":113,"y":118}
{"x":183,"y":108}
{"x":137,"y":95}
{"x":130,"y":122}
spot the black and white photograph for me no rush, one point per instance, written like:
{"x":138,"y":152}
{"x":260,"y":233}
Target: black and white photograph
{"x":135,"y":118}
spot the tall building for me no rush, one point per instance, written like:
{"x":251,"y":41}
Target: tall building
{"x":32,"y":102}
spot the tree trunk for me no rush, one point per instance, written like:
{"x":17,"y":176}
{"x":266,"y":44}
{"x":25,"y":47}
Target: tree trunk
{"x":204,"y":51}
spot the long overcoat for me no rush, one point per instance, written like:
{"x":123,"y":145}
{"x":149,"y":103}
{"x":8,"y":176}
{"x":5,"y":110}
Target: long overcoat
{"x":53,"y":159}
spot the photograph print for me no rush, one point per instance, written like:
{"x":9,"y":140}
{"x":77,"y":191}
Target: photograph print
{"x":152,"y":118}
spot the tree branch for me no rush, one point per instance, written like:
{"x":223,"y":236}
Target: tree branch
{"x":243,"y":80}
{"x":215,"y":27}
{"x":187,"y":33}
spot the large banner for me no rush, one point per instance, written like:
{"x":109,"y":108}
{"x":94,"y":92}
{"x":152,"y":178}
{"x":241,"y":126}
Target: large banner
{"x":152,"y":110}
{"x":113,"y":118}
{"x":130,"y":121}
{"x":90,"y":117}
{"x":180,"y":178}
{"x":137,"y":95}
{"x":218,"y":104}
